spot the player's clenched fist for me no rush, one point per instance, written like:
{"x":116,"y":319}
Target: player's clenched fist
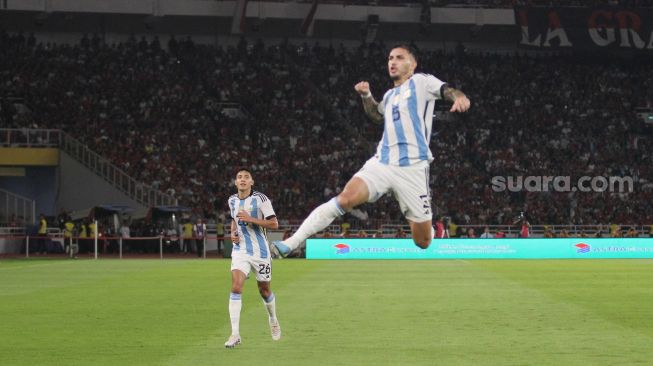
{"x":363,"y":88}
{"x":244,"y":216}
{"x":461,"y":104}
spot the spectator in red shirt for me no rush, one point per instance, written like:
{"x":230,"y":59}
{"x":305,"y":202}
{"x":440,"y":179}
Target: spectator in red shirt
{"x":439,"y":228}
{"x":525,"y":229}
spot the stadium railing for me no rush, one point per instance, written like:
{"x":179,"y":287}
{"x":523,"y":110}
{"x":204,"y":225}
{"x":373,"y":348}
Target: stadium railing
{"x":16,"y":210}
{"x":25,"y":137}
{"x":16,"y":242}
{"x":139,"y":191}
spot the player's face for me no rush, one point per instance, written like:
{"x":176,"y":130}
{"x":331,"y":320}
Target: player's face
{"x":244,"y":181}
{"x":401,"y":64}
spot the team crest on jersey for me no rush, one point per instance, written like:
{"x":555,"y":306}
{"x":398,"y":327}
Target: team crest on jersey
{"x":406,"y":94}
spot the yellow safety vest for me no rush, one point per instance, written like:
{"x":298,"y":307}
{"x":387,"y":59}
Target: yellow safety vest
{"x":188,"y":230}
{"x":43,"y":227}
{"x":68,"y":229}
{"x":82,"y":231}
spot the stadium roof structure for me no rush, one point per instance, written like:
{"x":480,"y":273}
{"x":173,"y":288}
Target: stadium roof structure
{"x":341,"y":20}
{"x":155,"y":212}
{"x":101,"y":211}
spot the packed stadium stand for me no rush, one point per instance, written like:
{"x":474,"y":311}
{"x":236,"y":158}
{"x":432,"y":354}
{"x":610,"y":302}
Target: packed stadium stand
{"x":153,"y":109}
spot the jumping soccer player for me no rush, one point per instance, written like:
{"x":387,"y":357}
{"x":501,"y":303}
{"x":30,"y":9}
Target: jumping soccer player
{"x":401,"y":162}
{"x":252,"y":214}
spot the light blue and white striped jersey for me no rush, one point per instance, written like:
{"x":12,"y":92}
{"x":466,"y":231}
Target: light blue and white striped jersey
{"x":408,"y":113}
{"x":253,"y":238}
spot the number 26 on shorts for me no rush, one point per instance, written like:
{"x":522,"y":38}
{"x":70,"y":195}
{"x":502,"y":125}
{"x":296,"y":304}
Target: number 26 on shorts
{"x":264,"y":269}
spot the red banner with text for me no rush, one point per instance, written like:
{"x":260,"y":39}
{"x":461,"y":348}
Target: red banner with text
{"x":611,"y":28}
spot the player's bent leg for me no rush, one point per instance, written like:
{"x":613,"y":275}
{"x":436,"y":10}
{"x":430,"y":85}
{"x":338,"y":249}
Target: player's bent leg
{"x":422,"y":233}
{"x":354,"y":194}
{"x":269,"y":301}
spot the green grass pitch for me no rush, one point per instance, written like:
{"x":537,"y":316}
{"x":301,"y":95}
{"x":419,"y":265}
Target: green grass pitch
{"x":482,"y":312}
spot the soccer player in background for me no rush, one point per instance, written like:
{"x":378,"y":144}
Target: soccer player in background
{"x":251,"y":214}
{"x":401,"y":163}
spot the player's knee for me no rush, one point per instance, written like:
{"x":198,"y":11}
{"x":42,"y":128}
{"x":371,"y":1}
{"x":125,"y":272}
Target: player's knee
{"x":236,"y":289}
{"x":345,"y":201}
{"x":348,"y":200}
{"x":422,"y":242}
{"x":265,"y":292}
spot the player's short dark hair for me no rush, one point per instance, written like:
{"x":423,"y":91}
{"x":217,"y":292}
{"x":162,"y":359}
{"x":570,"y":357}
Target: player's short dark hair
{"x":408,"y":48}
{"x":243,"y":169}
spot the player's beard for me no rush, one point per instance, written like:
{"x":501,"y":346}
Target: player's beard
{"x":401,"y":76}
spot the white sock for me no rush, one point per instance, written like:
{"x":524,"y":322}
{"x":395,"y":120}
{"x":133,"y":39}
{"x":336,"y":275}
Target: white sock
{"x":271,"y":307}
{"x":235,"y":304}
{"x":320,"y":218}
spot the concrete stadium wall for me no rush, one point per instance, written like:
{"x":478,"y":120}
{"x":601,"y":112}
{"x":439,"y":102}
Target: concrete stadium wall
{"x":79,"y":188}
{"x":39,"y":184}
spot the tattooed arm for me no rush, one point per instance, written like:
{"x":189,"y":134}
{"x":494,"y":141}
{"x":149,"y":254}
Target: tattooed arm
{"x":370,"y":105}
{"x":371,"y":108}
{"x":460,"y":101}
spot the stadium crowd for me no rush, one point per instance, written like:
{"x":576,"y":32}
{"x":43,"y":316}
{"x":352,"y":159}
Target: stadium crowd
{"x":157,"y":113}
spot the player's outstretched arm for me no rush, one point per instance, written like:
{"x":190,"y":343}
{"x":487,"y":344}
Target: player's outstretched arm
{"x":460,"y":101}
{"x":370,"y":105}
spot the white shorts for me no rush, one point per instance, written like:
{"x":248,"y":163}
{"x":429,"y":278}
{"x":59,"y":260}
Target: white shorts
{"x":245,"y":262}
{"x":409,"y":184}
